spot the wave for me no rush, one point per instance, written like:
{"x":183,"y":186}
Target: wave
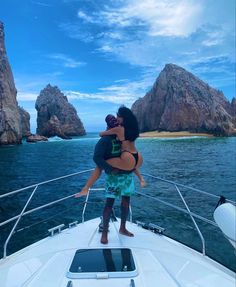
{"x":56,"y":139}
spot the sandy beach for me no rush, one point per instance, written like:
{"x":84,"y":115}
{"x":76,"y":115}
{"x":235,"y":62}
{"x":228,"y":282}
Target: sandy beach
{"x":156,"y":134}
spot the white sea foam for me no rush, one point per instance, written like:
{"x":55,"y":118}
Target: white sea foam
{"x":55,"y":139}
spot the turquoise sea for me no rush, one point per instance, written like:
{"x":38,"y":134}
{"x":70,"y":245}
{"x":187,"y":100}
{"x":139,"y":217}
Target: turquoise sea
{"x":208,"y":164}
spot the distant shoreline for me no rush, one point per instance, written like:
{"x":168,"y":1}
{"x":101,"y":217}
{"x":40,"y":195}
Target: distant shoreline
{"x":164,"y":134}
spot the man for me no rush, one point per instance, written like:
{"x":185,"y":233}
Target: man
{"x":106,"y":148}
{"x":119,"y":183}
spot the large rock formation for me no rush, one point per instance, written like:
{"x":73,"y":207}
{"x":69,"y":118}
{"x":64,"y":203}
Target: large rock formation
{"x":233,"y":110}
{"x":56,"y":116}
{"x":10,"y":126}
{"x":179,"y":101}
{"x":25,"y":122}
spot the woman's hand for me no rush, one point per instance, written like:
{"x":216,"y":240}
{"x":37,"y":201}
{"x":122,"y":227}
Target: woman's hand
{"x":83,"y":192}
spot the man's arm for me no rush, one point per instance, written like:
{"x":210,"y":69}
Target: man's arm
{"x":118,"y":131}
{"x":100,"y":152}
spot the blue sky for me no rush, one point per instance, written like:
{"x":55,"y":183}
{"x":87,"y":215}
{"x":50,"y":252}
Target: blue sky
{"x":102,"y":54}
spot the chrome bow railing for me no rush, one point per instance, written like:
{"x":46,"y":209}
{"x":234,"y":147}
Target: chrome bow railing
{"x":176,"y":185}
{"x":23,"y":212}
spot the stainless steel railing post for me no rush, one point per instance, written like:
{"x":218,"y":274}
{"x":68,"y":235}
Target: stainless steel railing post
{"x":195,"y":224}
{"x":86,"y":200}
{"x":85,"y":205}
{"x":130,"y":213}
{"x":14,"y":227}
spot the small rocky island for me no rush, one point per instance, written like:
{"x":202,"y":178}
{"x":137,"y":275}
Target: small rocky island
{"x":56,"y":116}
{"x":179,"y":101}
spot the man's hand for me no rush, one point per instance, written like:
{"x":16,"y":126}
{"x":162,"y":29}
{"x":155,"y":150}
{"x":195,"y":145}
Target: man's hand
{"x":143,"y":183}
{"x":118,"y":171}
{"x":115,"y":171}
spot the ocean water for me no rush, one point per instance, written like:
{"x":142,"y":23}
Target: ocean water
{"x":208,"y":164}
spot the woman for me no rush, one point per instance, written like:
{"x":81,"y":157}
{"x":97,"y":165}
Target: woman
{"x":127,"y":132}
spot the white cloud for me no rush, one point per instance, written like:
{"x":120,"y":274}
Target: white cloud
{"x":152,"y":33}
{"x":122,"y":81}
{"x":123,"y":92}
{"x":166,"y":18}
{"x":210,"y":42}
{"x":85,"y":17}
{"x":105,"y":96}
{"x":41,"y":4}
{"x":26,"y":96}
{"x":75,"y":31}
{"x":106,"y":49}
{"x":66,"y":61}
{"x":117,"y":35}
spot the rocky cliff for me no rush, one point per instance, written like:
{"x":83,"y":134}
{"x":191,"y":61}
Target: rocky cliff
{"x":25,"y":122}
{"x":56,"y":116}
{"x":10,"y":126}
{"x":179,"y":101}
{"x":233,"y":110}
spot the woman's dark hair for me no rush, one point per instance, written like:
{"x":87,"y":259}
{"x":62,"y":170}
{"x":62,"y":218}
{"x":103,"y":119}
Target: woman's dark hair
{"x":130,"y":123}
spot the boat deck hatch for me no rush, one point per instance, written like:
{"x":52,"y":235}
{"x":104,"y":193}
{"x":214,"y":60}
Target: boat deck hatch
{"x":102,"y":263}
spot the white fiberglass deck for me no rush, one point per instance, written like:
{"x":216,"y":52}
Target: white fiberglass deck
{"x":160,"y":261}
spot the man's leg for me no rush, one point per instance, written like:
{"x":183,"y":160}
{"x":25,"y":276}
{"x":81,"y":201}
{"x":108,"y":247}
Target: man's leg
{"x":106,"y":218}
{"x":125,"y":200}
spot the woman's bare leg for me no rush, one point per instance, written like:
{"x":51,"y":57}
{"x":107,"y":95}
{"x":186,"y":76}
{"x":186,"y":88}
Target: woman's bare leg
{"x":125,"y":162}
{"x":94,"y":176}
